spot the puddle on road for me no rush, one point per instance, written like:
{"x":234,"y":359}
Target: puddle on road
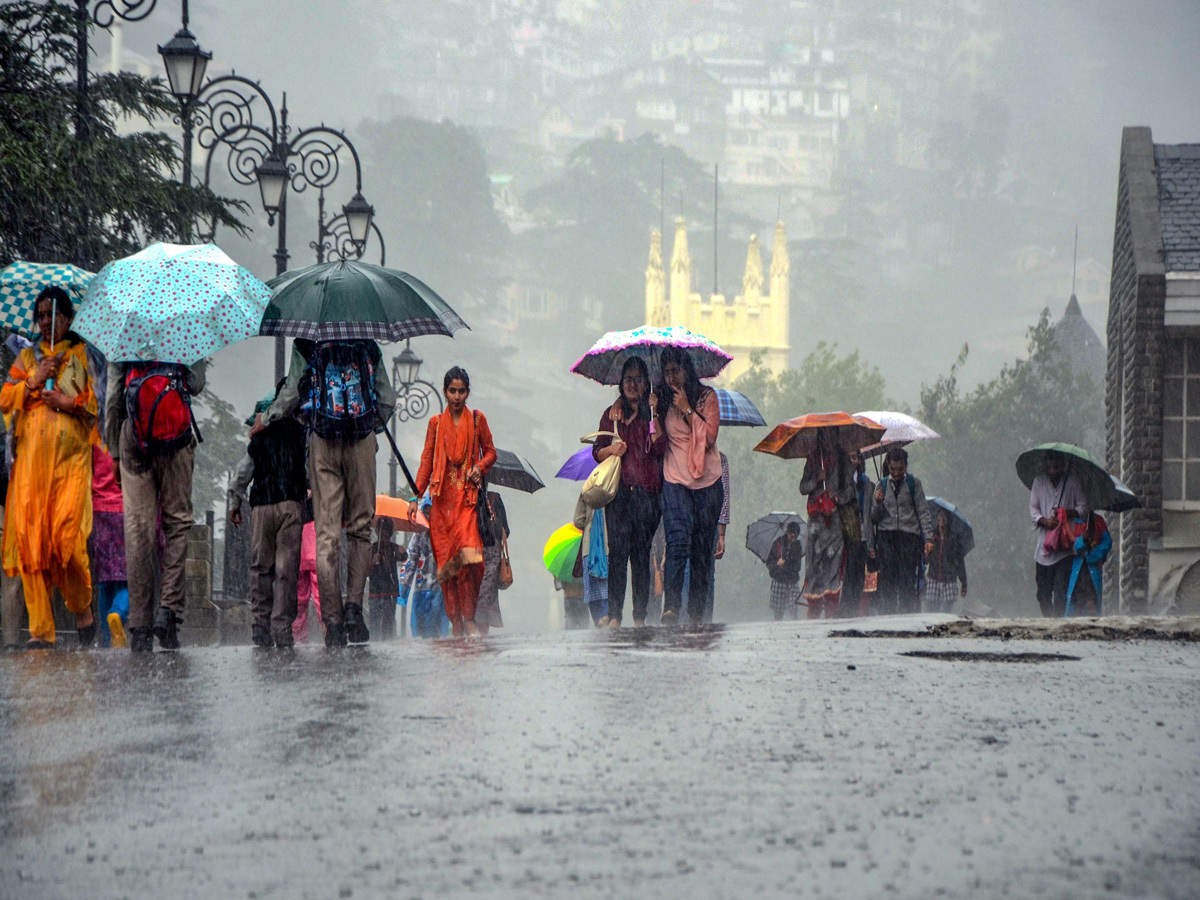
{"x":986,"y":656}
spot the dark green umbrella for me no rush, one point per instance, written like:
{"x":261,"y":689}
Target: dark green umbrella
{"x":1097,"y":484}
{"x":347,"y":300}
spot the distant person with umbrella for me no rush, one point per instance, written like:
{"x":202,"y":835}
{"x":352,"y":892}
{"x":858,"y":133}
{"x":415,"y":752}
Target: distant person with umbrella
{"x":828,"y":481}
{"x":632,"y":516}
{"x":858,"y":546}
{"x":903,"y":531}
{"x":458,"y":452}
{"x":783,"y":564}
{"x":487,"y":607}
{"x":1055,"y":493}
{"x":947,"y":576}
{"x":692,"y":493}
{"x":48,"y":513}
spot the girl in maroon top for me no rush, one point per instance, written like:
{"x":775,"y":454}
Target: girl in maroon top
{"x":632,"y":516}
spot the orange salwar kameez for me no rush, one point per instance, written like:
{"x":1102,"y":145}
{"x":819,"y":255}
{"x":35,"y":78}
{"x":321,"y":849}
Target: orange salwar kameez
{"x":451,"y":449}
{"x":48,"y":513}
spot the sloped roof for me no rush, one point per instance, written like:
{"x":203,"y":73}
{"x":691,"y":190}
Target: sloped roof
{"x":1077,"y":340}
{"x":1178,"y":168}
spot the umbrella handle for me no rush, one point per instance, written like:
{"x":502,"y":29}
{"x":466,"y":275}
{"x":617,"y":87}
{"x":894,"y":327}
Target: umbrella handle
{"x":400,"y":459}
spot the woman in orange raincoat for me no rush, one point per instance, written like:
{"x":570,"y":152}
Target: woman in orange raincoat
{"x":48,"y":516}
{"x":458,"y":453}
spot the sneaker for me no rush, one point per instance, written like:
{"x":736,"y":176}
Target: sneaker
{"x":141,"y":640}
{"x":356,"y":628}
{"x":260,"y":636}
{"x":670,"y":617}
{"x":116,"y":628}
{"x":166,"y":625}
{"x":335,"y":636}
{"x":87,"y":635}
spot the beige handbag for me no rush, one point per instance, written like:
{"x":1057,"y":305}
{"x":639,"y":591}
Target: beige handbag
{"x":604,"y":481}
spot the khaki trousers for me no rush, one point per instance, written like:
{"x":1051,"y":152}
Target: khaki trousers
{"x":275,"y":565}
{"x":342,"y":476}
{"x":148,"y":486}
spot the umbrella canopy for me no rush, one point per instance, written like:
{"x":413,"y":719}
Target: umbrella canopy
{"x":397,"y":510}
{"x":604,"y":361}
{"x":798,"y":437}
{"x":578,"y":466}
{"x":959,"y":526}
{"x":22,"y":281}
{"x":560,"y":551}
{"x":736,"y":409}
{"x":514,"y":471}
{"x":901,"y":428}
{"x":174,"y":303}
{"x":347,"y":300}
{"x":761,"y":534}
{"x":1125,"y":498}
{"x":1097,"y":484}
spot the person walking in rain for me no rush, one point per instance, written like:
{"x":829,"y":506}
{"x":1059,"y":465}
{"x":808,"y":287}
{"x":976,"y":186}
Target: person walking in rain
{"x":458,"y":453}
{"x":903,"y":533}
{"x":632,"y":516}
{"x":828,"y":481}
{"x":783,"y":565}
{"x":860,"y":545}
{"x":947,"y":568}
{"x":350,"y":399}
{"x":692,"y":494}
{"x":1053,"y":490}
{"x":48,"y":513}
{"x":274,"y":469}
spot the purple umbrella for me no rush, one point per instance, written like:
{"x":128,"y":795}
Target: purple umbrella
{"x":607,"y":357}
{"x":578,"y":467}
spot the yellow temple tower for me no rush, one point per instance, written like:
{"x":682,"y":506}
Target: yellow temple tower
{"x":754,"y":321}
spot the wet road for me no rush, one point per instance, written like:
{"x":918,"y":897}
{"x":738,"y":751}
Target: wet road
{"x":754,"y":760}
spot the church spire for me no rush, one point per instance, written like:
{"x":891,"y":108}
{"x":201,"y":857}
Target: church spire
{"x":752,"y":279}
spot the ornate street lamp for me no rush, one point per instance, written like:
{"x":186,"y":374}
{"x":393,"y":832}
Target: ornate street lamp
{"x":414,"y":396}
{"x":262,"y":148}
{"x":185,"y":62}
{"x":102,"y":14}
{"x":335,"y":237}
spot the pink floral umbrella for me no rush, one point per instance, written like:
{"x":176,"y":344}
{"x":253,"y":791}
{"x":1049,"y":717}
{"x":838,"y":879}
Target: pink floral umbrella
{"x":604,"y":361}
{"x":172,"y":303}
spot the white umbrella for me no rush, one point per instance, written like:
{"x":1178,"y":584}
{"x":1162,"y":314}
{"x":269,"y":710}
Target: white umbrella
{"x":901,"y":428}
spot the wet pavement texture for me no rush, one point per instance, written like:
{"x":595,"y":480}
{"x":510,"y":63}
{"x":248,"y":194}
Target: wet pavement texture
{"x":766,"y":759}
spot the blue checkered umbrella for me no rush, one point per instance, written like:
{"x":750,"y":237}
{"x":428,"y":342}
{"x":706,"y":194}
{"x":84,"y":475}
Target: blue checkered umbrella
{"x":22,"y":281}
{"x":737,"y":409}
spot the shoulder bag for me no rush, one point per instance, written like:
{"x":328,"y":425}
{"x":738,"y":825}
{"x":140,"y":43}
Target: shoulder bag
{"x":604,"y":481}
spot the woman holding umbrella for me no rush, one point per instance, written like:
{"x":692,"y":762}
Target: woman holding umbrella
{"x":48,"y":516}
{"x":828,"y":481}
{"x":633,"y":514}
{"x":458,"y":453}
{"x":692,"y":493}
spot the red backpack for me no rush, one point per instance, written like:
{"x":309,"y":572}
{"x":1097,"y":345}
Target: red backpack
{"x":159,"y":407}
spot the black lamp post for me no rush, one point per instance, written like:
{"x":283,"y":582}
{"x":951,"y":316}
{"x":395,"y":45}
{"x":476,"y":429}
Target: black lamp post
{"x":414,"y":398}
{"x":344,"y":237}
{"x":186,"y":64}
{"x":102,"y":14}
{"x":237,"y":112}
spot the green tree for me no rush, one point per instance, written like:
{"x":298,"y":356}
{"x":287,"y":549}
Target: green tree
{"x":825,"y":380}
{"x":83,"y":201}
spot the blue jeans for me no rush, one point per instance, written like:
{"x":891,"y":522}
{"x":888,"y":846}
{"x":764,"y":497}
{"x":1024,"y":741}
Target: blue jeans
{"x":690,"y":526}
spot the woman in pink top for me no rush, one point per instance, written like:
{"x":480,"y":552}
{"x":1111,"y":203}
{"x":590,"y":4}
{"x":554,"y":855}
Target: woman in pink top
{"x":692,"y":494}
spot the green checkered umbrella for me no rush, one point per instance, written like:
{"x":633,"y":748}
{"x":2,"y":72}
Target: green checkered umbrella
{"x":22,"y":281}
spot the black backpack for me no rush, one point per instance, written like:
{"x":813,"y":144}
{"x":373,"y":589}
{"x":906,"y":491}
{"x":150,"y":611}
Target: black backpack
{"x":343,"y":405}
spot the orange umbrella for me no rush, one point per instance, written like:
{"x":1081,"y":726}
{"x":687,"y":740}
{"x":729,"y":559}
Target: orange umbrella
{"x":396,"y":509}
{"x":798,"y":437}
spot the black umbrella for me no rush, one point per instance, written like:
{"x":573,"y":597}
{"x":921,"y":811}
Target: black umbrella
{"x":1125,"y":500}
{"x":514,"y":471}
{"x":761,"y":534}
{"x":959,"y":526}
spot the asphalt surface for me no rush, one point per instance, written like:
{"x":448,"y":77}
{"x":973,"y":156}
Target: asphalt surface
{"x":770,"y":760}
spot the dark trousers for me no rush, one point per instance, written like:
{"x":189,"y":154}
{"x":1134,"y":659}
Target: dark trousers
{"x":690,"y":526}
{"x":852,"y":581}
{"x":1052,"y":586}
{"x":899,"y":555}
{"x":632,"y":518}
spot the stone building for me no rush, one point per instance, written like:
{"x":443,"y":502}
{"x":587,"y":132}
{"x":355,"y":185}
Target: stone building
{"x":1152,"y":397}
{"x":756,"y":320}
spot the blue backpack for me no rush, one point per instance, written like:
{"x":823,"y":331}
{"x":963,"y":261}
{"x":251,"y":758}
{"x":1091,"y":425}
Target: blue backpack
{"x":343,"y":405}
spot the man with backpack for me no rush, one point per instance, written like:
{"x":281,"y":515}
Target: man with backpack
{"x":151,"y":433}
{"x":343,"y":388}
{"x":903,"y":535}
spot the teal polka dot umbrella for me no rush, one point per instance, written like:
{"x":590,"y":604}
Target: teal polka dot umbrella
{"x":173,"y":303}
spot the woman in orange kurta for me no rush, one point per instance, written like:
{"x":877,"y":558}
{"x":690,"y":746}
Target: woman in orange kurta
{"x":458,"y":453}
{"x":48,"y":513}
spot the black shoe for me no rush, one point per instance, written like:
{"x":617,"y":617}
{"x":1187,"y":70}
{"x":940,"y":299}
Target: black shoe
{"x":87,"y":635}
{"x":335,"y":636}
{"x":166,"y":625}
{"x":141,"y":640}
{"x":260,"y":636}
{"x":356,"y":627}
